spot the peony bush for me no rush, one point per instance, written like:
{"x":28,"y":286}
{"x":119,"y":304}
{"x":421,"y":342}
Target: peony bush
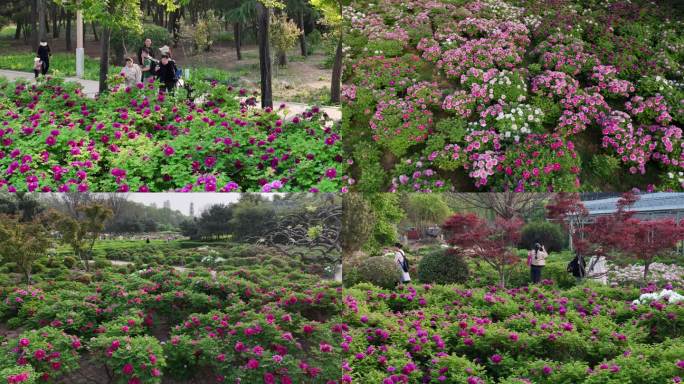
{"x":250,"y":324}
{"x":435,"y":333}
{"x":54,"y":139}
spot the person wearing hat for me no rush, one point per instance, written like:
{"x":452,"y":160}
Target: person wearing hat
{"x":44,"y":55}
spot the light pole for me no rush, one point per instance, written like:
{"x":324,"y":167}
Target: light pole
{"x":80,"y":54}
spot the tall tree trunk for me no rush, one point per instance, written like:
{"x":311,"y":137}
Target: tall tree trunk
{"x":39,"y":30}
{"x":264,"y":56}
{"x":67,"y":32}
{"x":282,"y":59}
{"x":647,"y":266}
{"x":335,"y":86}
{"x":17,"y":32}
{"x":302,"y":37}
{"x":104,"y":58}
{"x":236,"y":35}
{"x":55,"y":23}
{"x":95,"y":31}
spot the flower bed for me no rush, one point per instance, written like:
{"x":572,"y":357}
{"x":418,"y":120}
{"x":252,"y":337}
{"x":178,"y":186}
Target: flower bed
{"x":451,"y":334}
{"x":53,"y":138}
{"x":257,"y":325}
{"x":606,"y":81}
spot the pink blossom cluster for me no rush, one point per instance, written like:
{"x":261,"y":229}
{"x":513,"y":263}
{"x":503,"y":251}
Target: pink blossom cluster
{"x":348,"y":93}
{"x":420,"y":177}
{"x":405,"y":118}
{"x":18,"y":378}
{"x":480,"y":53}
{"x":555,"y":84}
{"x":431,"y":49}
{"x":606,"y":78}
{"x":628,"y":142}
{"x":581,"y":110}
{"x":460,"y":103}
{"x":655,"y":106}
{"x":424,"y":92}
{"x":564,"y":53}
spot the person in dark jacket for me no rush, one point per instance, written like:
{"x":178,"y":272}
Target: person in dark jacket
{"x":44,"y":55}
{"x":147,"y":45}
{"x":166,"y":73}
{"x":577,"y":267}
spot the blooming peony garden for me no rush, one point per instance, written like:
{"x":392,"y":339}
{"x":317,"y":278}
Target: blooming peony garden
{"x":514,"y":95}
{"x":423,"y":333}
{"x":54,"y":138}
{"x":157,"y":324}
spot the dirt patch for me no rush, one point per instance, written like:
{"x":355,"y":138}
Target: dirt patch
{"x":8,"y":334}
{"x":91,"y":371}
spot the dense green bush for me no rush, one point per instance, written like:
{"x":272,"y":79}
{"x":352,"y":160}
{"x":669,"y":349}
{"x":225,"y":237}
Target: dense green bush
{"x":443,"y":266}
{"x":548,"y":234}
{"x":379,"y":270}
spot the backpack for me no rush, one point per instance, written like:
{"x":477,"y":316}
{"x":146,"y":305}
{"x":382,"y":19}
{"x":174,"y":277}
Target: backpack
{"x":575,"y":267}
{"x":405,"y":264}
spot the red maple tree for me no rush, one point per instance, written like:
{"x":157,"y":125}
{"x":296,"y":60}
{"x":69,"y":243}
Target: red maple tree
{"x":490,"y":241}
{"x":622,"y":234}
{"x":570,"y":212}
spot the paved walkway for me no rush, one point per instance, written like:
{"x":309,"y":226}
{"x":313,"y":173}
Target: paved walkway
{"x":90,"y":88}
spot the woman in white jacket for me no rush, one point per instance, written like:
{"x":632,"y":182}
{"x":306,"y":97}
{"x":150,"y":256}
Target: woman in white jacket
{"x":402,"y":263}
{"x":536,"y":259}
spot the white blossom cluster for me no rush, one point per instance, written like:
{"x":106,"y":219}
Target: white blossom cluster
{"x":532,"y":22}
{"x":670,"y":296}
{"x":503,"y":10}
{"x":659,"y":272}
{"x":519,"y":121}
{"x":505,"y":79}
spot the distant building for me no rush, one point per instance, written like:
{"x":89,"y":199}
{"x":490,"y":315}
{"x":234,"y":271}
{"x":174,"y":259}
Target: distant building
{"x":167,"y":204}
{"x":192,"y":209}
{"x":650,"y":206}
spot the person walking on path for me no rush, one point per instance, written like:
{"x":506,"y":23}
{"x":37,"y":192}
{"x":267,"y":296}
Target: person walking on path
{"x":536,"y":259}
{"x":147,"y":45}
{"x":44,"y":55}
{"x":402,"y":263}
{"x":166,"y":73}
{"x":132,"y":73}
{"x":37,"y":67}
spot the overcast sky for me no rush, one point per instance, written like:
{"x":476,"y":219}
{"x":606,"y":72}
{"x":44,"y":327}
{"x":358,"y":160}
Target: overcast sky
{"x":181,"y":201}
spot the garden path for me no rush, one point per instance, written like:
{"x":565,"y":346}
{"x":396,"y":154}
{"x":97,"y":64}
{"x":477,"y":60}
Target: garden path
{"x":90,"y":88}
{"x":120,"y":263}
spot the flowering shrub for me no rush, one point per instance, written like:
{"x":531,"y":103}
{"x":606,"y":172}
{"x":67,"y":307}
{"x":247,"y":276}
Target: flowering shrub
{"x":18,"y":375}
{"x":53,"y":138}
{"x":542,"y":162}
{"x":131,"y":360}
{"x":447,"y":333}
{"x":491,"y":66}
{"x":47,"y":353}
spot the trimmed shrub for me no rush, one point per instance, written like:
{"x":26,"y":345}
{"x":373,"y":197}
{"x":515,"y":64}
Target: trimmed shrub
{"x":380,"y":271}
{"x":69,"y":262}
{"x":443,"y":266}
{"x":550,"y":235}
